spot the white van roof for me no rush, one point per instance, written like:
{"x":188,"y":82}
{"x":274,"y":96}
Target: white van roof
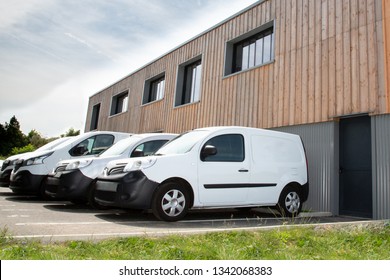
{"x":212,"y":129}
{"x":71,"y":141}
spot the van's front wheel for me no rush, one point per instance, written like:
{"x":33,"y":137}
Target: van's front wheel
{"x":290,"y":202}
{"x":170,"y":202}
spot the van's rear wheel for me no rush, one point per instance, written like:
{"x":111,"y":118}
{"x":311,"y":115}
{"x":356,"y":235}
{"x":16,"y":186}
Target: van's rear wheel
{"x":290,"y":202}
{"x":170,"y":202}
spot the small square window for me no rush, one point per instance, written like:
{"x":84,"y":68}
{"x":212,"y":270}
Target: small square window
{"x":154,"y":89}
{"x":119,"y":103}
{"x":254,"y":51}
{"x":250,"y":50}
{"x":189,"y":82}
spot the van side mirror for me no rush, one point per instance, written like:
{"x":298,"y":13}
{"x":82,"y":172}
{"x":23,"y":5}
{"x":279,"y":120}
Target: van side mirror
{"x":137,"y":153}
{"x":207,"y":151}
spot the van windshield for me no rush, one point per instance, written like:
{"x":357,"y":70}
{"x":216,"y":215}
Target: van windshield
{"x":183,"y":143}
{"x":120,"y":147}
{"x":53,"y":144}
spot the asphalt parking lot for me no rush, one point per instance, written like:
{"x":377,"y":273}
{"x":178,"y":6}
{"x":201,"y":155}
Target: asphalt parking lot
{"x":32,"y":218}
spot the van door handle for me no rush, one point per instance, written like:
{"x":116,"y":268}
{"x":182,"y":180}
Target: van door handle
{"x":243,"y":170}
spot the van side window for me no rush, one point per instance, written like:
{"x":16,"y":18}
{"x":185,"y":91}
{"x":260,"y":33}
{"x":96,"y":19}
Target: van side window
{"x":229,"y":148}
{"x":147,"y":148}
{"x":93,"y":145}
{"x":102,"y":143}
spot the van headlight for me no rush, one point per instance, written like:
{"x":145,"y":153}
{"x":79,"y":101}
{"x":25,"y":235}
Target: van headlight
{"x":140,"y":164}
{"x":78,"y":164}
{"x":37,"y":160}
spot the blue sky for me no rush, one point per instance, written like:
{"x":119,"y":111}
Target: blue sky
{"x":54,"y":54}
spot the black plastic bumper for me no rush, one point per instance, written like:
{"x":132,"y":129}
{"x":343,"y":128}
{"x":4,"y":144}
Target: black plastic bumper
{"x":68,"y":185}
{"x":5,"y":178}
{"x":130,"y":190}
{"x":26,"y":183}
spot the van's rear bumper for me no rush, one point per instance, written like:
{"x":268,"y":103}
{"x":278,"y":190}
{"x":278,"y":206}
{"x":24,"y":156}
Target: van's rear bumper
{"x":129,"y":190}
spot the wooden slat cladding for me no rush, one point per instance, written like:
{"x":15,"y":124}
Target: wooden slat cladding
{"x":328,"y":62}
{"x":385,"y":98}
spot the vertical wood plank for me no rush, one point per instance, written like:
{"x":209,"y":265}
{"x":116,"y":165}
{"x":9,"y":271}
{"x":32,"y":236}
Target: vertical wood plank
{"x":318,"y":61}
{"x":384,"y":52}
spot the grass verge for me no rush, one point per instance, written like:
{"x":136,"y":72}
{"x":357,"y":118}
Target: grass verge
{"x":369,"y":241}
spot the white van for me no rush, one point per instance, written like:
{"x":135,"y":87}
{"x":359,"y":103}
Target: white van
{"x":8,"y":164}
{"x":73,"y":179}
{"x":30,"y":171}
{"x":216,"y":167}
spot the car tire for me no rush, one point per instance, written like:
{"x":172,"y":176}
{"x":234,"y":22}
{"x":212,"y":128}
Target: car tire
{"x":170,"y":202}
{"x":290,"y":201}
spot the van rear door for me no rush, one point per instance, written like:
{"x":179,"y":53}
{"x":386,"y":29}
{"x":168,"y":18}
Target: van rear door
{"x":224,"y":175}
{"x":274,"y":160}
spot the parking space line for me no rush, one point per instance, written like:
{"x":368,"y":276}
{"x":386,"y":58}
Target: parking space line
{"x":135,"y":233}
{"x":151,"y":232}
{"x":19,"y":210}
{"x":228,"y":220}
{"x":144,"y":222}
{"x":61,"y":223}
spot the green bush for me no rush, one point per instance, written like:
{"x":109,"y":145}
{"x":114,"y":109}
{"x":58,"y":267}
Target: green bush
{"x":24,"y":149}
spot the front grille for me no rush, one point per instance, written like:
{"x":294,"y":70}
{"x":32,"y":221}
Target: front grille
{"x":61,"y":168}
{"x":116,"y":170}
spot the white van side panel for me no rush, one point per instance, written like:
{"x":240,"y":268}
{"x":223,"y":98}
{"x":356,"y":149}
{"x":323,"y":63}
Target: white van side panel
{"x":276,"y":162}
{"x":183,"y":166}
{"x":275,"y":150}
{"x":222,"y":183}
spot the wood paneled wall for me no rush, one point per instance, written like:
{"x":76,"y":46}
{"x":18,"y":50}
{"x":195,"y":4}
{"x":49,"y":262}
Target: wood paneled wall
{"x":386,"y":36}
{"x":329,"y":62}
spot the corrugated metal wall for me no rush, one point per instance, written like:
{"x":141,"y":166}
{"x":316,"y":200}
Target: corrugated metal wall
{"x":381,"y":166}
{"x":321,"y":143}
{"x":322,"y":148}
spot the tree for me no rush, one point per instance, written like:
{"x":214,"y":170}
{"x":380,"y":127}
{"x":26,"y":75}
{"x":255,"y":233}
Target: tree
{"x":35,"y":138}
{"x":71,"y":132}
{"x":12,"y":139}
{"x":11,"y":136}
{"x":3,"y":139}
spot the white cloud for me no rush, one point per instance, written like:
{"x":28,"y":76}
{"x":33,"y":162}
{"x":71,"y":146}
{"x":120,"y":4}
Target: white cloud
{"x":15,"y":11}
{"x":55,"y":54}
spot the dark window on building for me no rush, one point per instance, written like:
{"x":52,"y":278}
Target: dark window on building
{"x":189,"y":83}
{"x":95,"y":117}
{"x":154,"y":89}
{"x":254,"y":51}
{"x":230,"y":148}
{"x":250,"y":50}
{"x":119,"y":103}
